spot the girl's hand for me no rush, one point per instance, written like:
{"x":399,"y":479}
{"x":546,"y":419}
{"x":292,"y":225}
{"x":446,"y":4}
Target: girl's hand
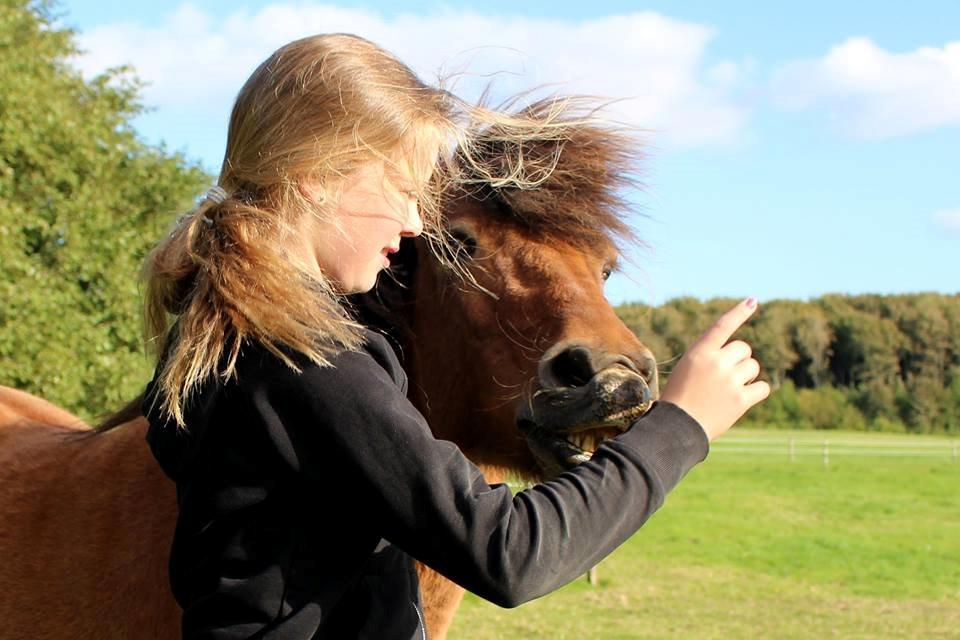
{"x":714,"y":381}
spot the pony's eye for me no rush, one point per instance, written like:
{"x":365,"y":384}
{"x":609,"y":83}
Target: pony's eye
{"x":465,"y":243}
{"x":605,"y":273}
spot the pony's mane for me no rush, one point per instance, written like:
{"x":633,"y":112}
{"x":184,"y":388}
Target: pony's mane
{"x":588,"y":165}
{"x":558,"y":171}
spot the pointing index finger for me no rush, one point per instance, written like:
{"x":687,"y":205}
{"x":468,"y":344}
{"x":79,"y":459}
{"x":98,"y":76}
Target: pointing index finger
{"x":724,"y":328}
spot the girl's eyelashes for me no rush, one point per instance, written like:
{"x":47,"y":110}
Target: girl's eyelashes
{"x":406,"y":189}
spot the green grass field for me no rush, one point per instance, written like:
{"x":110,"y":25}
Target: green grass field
{"x":752,"y":545}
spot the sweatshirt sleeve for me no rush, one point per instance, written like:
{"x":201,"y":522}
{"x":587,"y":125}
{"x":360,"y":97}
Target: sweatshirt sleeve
{"x":435,"y":504}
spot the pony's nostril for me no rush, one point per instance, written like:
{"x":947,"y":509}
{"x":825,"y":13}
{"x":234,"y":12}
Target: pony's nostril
{"x":648,"y":368}
{"x":572,"y":367}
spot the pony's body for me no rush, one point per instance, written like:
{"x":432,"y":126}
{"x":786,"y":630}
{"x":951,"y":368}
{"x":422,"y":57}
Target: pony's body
{"x":526,"y":373}
{"x":85,"y":534}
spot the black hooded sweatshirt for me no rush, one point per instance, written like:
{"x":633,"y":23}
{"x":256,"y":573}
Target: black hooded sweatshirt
{"x":303,"y":498}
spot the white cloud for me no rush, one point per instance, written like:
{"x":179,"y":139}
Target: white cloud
{"x":195,"y":63}
{"x":873,"y":93}
{"x":948,"y":220}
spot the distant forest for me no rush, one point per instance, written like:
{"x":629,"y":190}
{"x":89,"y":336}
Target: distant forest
{"x":866,"y":362}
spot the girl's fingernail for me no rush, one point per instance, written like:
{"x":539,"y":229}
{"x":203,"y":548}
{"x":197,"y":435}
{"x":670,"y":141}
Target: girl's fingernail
{"x":751,"y":302}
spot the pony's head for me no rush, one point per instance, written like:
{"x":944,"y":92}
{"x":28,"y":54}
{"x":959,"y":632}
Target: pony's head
{"x":524,"y":363}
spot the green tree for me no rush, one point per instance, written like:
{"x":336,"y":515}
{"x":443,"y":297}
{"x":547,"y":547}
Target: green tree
{"x":828,"y":408}
{"x":951,"y":405}
{"x":675,"y":322}
{"x":639,"y":319}
{"x":865,"y":348}
{"x":810,"y":336}
{"x":768,"y":334}
{"x":82,"y":200}
{"x":926,"y":351}
{"x":890,"y":363}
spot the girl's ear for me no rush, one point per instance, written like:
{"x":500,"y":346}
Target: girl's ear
{"x":312,"y":191}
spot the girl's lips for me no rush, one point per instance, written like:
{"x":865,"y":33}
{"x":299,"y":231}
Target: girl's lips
{"x":386,"y":254}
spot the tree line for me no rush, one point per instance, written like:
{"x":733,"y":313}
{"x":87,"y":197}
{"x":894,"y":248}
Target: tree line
{"x":880,"y":362}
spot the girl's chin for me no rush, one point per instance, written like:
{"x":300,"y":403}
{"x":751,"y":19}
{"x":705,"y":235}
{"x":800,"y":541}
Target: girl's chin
{"x":370,"y":281}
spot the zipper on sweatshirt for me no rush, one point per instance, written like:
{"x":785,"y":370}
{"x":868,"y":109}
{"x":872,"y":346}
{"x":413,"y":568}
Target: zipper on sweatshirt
{"x":423,"y":627}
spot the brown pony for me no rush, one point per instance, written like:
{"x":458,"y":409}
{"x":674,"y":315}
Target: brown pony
{"x":527,"y":369}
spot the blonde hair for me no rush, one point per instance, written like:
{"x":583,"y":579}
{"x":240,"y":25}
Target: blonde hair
{"x":313,"y":112}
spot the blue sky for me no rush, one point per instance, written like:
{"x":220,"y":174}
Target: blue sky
{"x":795,"y":149}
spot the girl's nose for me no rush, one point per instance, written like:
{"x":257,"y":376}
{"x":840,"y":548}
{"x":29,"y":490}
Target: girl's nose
{"x":414,"y":224}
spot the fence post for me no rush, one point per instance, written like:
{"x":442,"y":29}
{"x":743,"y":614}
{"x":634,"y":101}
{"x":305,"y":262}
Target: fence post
{"x":592,"y":576}
{"x":792,"y":458}
{"x":826,"y":453}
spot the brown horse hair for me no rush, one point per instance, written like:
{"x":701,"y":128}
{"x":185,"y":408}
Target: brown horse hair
{"x":582,"y":201}
{"x":123,"y":415}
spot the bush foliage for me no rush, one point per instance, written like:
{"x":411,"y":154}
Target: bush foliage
{"x":82,"y":199}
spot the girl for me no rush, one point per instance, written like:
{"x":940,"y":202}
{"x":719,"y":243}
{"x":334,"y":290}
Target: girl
{"x":275,"y":412}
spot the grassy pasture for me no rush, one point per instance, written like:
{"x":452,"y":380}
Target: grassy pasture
{"x":752,"y":545}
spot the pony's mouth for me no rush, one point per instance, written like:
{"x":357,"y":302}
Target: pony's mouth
{"x":570,"y":448}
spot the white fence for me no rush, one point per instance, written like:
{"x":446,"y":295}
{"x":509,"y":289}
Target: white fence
{"x":824,"y":448}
